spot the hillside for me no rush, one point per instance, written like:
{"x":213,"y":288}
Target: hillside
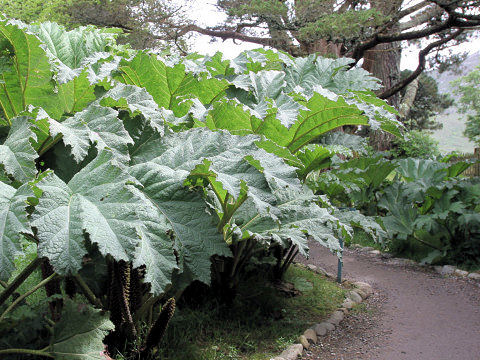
{"x":451,"y":136}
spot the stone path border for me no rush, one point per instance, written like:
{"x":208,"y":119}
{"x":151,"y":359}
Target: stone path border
{"x":445,"y":270}
{"x":311,"y":336}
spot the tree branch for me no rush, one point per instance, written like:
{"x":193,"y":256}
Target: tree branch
{"x":421,"y":65}
{"x":408,"y":99}
{"x":421,"y":18}
{"x":358,"y":52}
{"x":227,"y":34}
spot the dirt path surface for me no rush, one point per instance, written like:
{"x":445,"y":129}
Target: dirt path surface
{"x":413,"y":315}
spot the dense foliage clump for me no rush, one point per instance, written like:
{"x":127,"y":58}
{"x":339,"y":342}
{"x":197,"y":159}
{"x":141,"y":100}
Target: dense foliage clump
{"x":416,"y":144}
{"x":468,"y":87}
{"x":126,"y":177}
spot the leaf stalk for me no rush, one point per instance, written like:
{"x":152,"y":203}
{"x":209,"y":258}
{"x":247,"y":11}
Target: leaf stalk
{"x":9,"y":290}
{"x":28,"y":293}
{"x":26,"y":352}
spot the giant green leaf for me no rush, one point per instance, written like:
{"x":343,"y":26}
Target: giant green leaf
{"x":138,"y":102}
{"x":181,"y":213}
{"x":322,"y":115}
{"x":17,"y":154}
{"x":313,"y":157}
{"x":331,"y":74}
{"x":27,"y":78}
{"x":233,"y":163}
{"x":299,"y":216}
{"x":402,"y":214}
{"x":355,"y":218}
{"x":80,"y":332}
{"x":13,"y":222}
{"x":317,"y":116}
{"x":231,"y":160}
{"x":80,"y":58}
{"x":96,"y":124}
{"x":169,"y":86}
{"x":76,"y":94}
{"x":371,"y":171}
{"x":155,"y":247}
{"x":414,"y":169}
{"x":72,"y":50}
{"x":97,"y":202}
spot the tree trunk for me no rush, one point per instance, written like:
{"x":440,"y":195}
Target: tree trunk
{"x":383,"y":62}
{"x":322,"y":47}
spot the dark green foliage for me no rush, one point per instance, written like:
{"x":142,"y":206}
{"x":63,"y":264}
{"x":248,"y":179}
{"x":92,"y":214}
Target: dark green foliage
{"x":468,"y":87}
{"x":354,"y":182}
{"x":416,"y":144}
{"x":426,"y":210}
{"x":428,"y":103}
{"x":432,"y":214}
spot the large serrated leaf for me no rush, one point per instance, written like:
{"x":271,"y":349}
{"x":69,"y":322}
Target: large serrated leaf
{"x":96,"y":124}
{"x":181,"y":214}
{"x":97,"y":202}
{"x":169,"y":86}
{"x":231,"y":160}
{"x":332,"y":74}
{"x":27,"y":77}
{"x":72,"y":50}
{"x":313,"y":157}
{"x":322,"y":115}
{"x":13,"y":222}
{"x":155,"y":250}
{"x":138,"y":102}
{"x":17,"y":154}
{"x":371,"y":171}
{"x":76,"y":94}
{"x":80,"y":332}
{"x":299,"y":216}
{"x":317,"y":116}
{"x":233,"y":163}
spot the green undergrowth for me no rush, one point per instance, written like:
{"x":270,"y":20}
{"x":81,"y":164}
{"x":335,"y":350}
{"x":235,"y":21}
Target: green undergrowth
{"x":261,"y":322}
{"x":407,"y":249}
{"x":360,"y":237}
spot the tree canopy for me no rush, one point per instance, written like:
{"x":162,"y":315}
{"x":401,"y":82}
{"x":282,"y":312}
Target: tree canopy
{"x":468,"y":87}
{"x":421,"y":102}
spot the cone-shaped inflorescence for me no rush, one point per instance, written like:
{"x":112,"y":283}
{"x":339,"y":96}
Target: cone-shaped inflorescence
{"x":159,"y":327}
{"x":70,"y":286}
{"x":119,"y":296}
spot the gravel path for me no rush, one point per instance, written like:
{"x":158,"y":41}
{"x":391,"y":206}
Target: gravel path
{"x":413,"y":315}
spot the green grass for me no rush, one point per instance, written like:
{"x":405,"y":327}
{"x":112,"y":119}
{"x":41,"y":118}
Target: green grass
{"x":259,"y":324}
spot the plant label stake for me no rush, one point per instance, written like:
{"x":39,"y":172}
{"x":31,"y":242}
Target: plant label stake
{"x":340,"y":263}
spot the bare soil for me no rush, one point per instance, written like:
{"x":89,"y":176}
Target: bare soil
{"x":415,"y":314}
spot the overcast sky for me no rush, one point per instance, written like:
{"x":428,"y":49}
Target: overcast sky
{"x":206,"y":14}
